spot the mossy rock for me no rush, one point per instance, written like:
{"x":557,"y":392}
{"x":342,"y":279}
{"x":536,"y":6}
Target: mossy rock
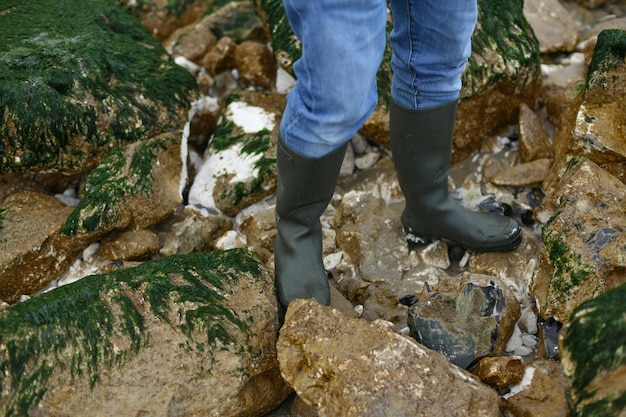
{"x":78,"y":81}
{"x":593,"y":346}
{"x":90,"y":338}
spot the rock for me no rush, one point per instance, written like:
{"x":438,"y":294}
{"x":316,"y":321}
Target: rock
{"x":133,"y":187}
{"x":137,"y":244}
{"x":591,"y":4}
{"x":534,"y":139}
{"x":92,"y":81}
{"x":600,"y":116}
{"x":221,"y":57}
{"x":195,"y":232}
{"x":194,"y":42}
{"x":193,"y":334}
{"x":553,"y":26}
{"x":514,"y":269}
{"x":370,"y":234}
{"x":256,"y":65}
{"x":499,"y":77}
{"x":163,"y":17}
{"x":541,"y":393}
{"x":593,"y":356}
{"x":350,"y":367}
{"x":583,"y":233}
{"x":500,"y":372}
{"x":239,"y":166}
{"x":464,"y":318}
{"x":522,"y":175}
{"x":32,"y":251}
{"x":238,"y":20}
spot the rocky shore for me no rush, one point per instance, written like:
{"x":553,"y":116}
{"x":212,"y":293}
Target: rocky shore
{"x":137,"y":181}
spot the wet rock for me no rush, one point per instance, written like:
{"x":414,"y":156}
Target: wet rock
{"x":370,"y":234}
{"x":256,"y":65}
{"x":113,"y":90}
{"x":534,"y":140}
{"x":464,"y":318}
{"x":203,"y":118}
{"x":514,"y":269}
{"x":239,"y":166}
{"x":541,"y":393}
{"x":500,"y":372}
{"x":210,"y":321}
{"x":498,"y":77}
{"x":350,"y":367}
{"x":591,"y":4}
{"x":583,"y":234}
{"x":133,"y":187}
{"x":130,"y":245}
{"x":524,"y":174}
{"x":32,"y":252}
{"x":555,"y":29}
{"x":196,"y":231}
{"x":238,"y":20}
{"x":221,"y":57}
{"x":592,"y":351}
{"x":600,"y":116}
{"x":196,"y":41}
{"x":163,"y":17}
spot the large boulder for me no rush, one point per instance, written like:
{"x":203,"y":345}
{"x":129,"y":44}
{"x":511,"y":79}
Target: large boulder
{"x":78,"y":81}
{"x":184,"y":335}
{"x":350,"y":367}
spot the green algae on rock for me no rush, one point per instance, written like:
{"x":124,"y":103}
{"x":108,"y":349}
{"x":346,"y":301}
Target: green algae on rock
{"x":79,"y":333}
{"x":124,"y":174}
{"x":593,"y":352}
{"x":77,"y":81}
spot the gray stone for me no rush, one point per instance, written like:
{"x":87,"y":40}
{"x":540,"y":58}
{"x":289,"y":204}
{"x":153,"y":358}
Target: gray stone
{"x":464,"y":318}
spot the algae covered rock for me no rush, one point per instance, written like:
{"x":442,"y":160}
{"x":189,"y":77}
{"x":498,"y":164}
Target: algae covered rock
{"x":193,"y":333}
{"x":593,"y":353}
{"x":76,"y":81}
{"x":133,"y":187}
{"x":239,"y":167}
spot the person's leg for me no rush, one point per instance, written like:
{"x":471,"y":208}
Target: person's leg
{"x":431,"y":42}
{"x":342,"y":47}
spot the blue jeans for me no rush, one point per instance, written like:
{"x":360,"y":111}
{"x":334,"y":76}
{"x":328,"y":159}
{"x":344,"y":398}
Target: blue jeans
{"x":343,"y":42}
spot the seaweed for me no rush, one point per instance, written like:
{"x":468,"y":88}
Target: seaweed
{"x":73,"y":327}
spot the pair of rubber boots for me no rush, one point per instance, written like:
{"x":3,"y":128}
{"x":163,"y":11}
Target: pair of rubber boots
{"x":421,"y":144}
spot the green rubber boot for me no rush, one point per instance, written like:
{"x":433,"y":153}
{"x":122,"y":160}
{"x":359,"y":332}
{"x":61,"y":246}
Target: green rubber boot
{"x":421,"y":144}
{"x":305,"y":187}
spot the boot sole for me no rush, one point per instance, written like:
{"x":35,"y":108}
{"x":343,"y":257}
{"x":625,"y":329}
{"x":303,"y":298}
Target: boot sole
{"x":419,"y":239}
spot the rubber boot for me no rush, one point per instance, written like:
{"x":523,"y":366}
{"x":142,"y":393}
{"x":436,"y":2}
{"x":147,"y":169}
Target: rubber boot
{"x":421,"y":144}
{"x":305,"y":187}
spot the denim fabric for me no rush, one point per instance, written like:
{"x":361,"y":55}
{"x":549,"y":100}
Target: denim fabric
{"x":343,"y":42}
